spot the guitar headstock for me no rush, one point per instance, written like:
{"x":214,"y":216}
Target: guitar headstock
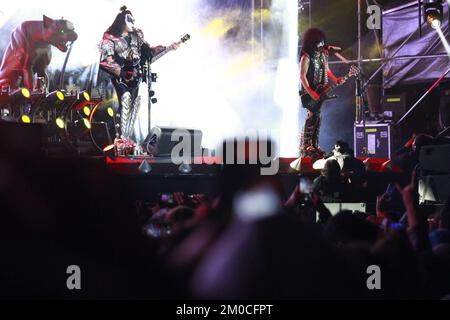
{"x":185,"y":38}
{"x":354,"y":71}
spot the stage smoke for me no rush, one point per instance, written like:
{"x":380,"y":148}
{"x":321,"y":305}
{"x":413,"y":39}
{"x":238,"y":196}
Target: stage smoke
{"x":239,"y":71}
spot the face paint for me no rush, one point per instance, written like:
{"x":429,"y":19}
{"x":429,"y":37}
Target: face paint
{"x":320,"y":45}
{"x":129,"y":23}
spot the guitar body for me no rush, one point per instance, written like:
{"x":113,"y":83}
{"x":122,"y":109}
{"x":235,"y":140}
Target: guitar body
{"x":309,"y":103}
{"x":133,"y":81}
{"x":323,"y":91}
{"x":312,"y":105}
{"x":137,"y":69}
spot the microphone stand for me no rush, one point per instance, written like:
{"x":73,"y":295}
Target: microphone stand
{"x":150,"y":77}
{"x":149,"y":90}
{"x":360,"y":89}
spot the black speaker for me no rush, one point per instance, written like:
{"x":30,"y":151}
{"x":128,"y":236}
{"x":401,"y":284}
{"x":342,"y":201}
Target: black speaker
{"x":161,"y":141}
{"x":435,"y":158}
{"x":394,"y":106}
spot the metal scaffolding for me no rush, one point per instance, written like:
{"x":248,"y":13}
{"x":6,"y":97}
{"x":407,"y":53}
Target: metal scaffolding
{"x":302,"y":6}
{"x":360,"y":60}
{"x":360,"y":112}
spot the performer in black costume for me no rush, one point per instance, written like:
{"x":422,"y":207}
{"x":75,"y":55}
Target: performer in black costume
{"x":314,"y":71}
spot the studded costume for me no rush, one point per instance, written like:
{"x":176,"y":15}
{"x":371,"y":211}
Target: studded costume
{"x":316,"y":75}
{"x":122,"y":57}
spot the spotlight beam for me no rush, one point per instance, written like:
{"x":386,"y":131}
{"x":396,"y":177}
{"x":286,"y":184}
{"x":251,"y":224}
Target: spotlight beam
{"x":443,"y":40}
{"x":423,"y":97}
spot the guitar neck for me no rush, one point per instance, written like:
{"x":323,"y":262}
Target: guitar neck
{"x":162,"y":54}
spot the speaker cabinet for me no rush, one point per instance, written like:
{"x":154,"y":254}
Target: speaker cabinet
{"x":394,"y":106}
{"x":378,"y":141}
{"x":436,"y":158}
{"x":161,"y":141}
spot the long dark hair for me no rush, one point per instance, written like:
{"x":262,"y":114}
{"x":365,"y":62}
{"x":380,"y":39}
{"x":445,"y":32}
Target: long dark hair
{"x":311,"y":39}
{"x":119,"y":23}
{"x":332,"y":171}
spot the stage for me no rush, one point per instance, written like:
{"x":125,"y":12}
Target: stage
{"x":166,"y":177}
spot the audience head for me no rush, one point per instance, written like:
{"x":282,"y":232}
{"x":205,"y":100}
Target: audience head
{"x":342,"y":147}
{"x":332,"y":171}
{"x":347,"y":227}
{"x":421,"y":140}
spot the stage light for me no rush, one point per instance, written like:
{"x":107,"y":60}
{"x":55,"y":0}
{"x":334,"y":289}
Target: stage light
{"x":145,"y":167}
{"x":303,"y":165}
{"x":60,"y":95}
{"x":55,"y":96}
{"x":110,"y":151}
{"x":108,"y":148}
{"x":319,"y":164}
{"x":20,"y":95}
{"x":434,"y":12}
{"x":87,"y":111}
{"x":185,"y":168}
{"x":87,"y":124}
{"x":296,"y":164}
{"x":111,"y":112}
{"x":435,"y":23}
{"x":25,"y":93}
{"x":60,"y":123}
{"x":85,"y":96}
{"x":26,"y":119}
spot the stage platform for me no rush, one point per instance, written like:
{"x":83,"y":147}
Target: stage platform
{"x":166,"y":177}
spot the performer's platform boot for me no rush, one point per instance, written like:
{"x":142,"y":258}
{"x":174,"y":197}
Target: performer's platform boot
{"x":309,"y":140}
{"x":123,"y":144}
{"x":310,"y":137}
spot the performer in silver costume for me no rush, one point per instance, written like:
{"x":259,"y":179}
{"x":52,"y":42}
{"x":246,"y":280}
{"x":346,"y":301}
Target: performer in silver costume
{"x":123,"y":53}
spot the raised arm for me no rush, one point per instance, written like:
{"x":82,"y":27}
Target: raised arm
{"x":332,"y":76}
{"x":154,"y":50}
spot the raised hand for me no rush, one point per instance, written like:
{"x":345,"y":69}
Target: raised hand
{"x":408,"y":194}
{"x":340,"y":80}
{"x":174,"y":46}
{"x":315,"y":96}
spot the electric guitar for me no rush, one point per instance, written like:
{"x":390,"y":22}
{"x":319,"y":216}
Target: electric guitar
{"x":168,"y":49}
{"x":134,"y":72}
{"x":323,"y":91}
